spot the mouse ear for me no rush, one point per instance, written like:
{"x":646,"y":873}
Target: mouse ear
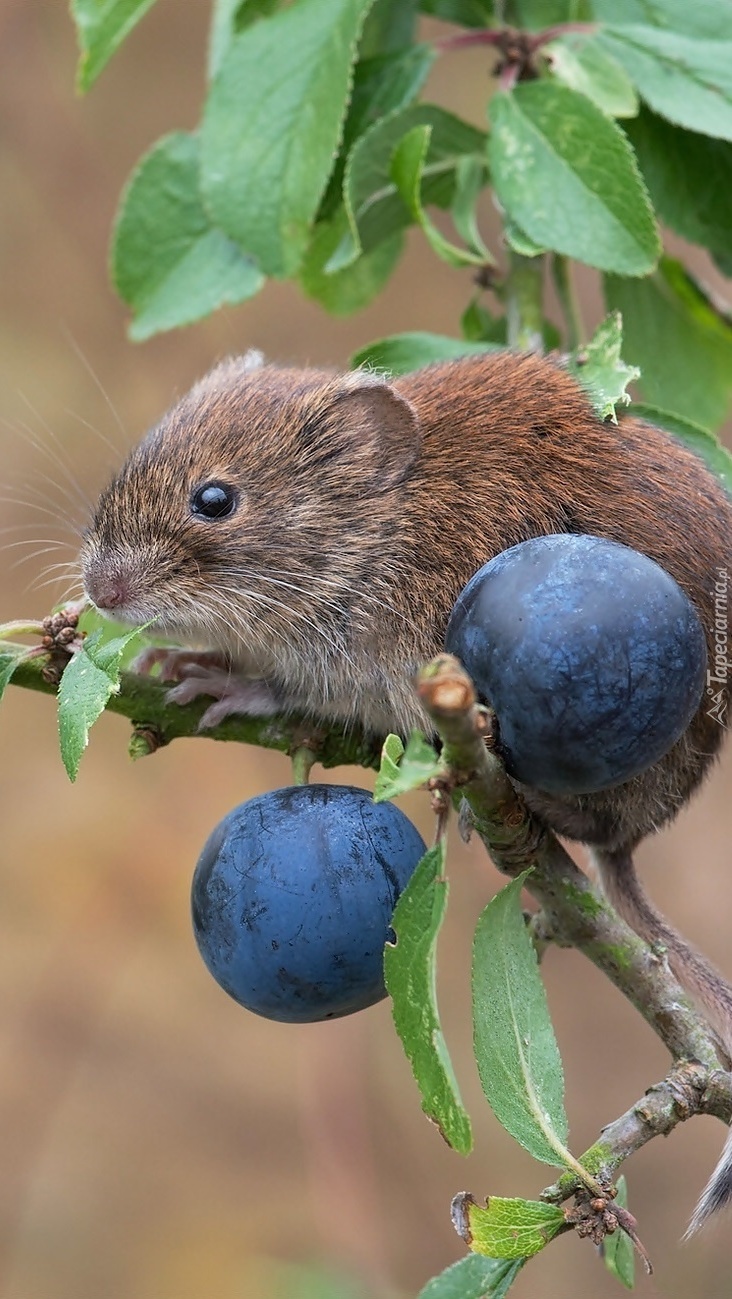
{"x":367,"y":423}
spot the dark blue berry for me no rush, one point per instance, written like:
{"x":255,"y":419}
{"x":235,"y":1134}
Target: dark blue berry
{"x":590,"y":653}
{"x":293,"y":896}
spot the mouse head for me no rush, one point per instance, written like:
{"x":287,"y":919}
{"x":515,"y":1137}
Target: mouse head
{"x":262,"y":500}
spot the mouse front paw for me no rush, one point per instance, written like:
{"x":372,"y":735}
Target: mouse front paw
{"x":233,"y":694}
{"x":175,"y":664}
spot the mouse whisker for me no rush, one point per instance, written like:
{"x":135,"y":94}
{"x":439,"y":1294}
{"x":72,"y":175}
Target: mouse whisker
{"x":43,"y":504}
{"x":53,"y":454}
{"x":100,"y":389}
{"x":73,"y":579}
{"x":43,"y":550}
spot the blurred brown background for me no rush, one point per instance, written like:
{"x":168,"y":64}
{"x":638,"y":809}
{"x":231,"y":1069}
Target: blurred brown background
{"x":156,"y":1141}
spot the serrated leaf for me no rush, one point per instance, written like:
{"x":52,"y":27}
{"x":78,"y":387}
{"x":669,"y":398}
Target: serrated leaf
{"x":389,"y":27}
{"x":169,"y":264}
{"x":617,"y":1250}
{"x":409,"y":971}
{"x":374,"y":205}
{"x":101,"y":27}
{"x":699,"y":440}
{"x":402,"y":353}
{"x":515,"y":1049}
{"x":392,"y":751}
{"x":598,"y":366}
{"x":357,"y":284}
{"x":385,"y":84}
{"x":512,"y":1228}
{"x":581,"y":63}
{"x":417,"y":764}
{"x":680,"y":340}
{"x":230,"y":17}
{"x":88,"y":683}
{"x":272,"y":124}
{"x":473,"y":1277}
{"x":8,"y":664}
{"x":689,"y":177}
{"x":685,"y":78}
{"x":406,"y":170}
{"x":551,"y":152}
{"x":381,"y":85}
{"x":701,"y":18}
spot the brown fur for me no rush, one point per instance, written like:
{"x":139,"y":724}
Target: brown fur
{"x":378,"y":502}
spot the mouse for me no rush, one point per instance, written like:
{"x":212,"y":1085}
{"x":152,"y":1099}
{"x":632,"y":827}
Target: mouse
{"x":306,"y":532}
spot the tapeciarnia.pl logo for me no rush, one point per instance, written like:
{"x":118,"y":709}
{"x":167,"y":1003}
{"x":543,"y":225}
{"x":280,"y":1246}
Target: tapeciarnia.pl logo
{"x":718,"y":672}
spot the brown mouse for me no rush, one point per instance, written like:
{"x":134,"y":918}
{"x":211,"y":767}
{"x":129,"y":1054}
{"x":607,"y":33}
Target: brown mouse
{"x":313,"y":530}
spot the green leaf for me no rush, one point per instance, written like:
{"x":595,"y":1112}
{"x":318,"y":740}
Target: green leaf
{"x":478,"y":325}
{"x":384,"y":85}
{"x":515,"y":1049}
{"x":419,"y":763}
{"x":697,"y":439}
{"x":389,"y":27}
{"x":518,"y":240}
{"x":552,"y":152}
{"x":684,"y":78}
{"x":392,"y":751}
{"x":598,"y":366}
{"x":407,"y":168}
{"x":467,"y":13}
{"x":512,"y":1229}
{"x":581,"y":63}
{"x":381,"y":86}
{"x":402,"y":353}
{"x":229,"y":18}
{"x":617,"y":1250}
{"x":88,"y":682}
{"x":473,"y":1277}
{"x":357,"y":284}
{"x":168,"y":263}
{"x":101,"y":27}
{"x":272,"y":124}
{"x":8,"y":664}
{"x":681,"y":342}
{"x":689,"y":177}
{"x":374,"y":205}
{"x":699,"y":18}
{"x":537,"y":14}
{"x":409,"y":969}
{"x":470,"y":180}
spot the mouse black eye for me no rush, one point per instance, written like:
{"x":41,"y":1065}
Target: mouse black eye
{"x":214,"y":500}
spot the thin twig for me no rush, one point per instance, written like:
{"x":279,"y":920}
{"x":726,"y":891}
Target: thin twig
{"x":578,"y":915}
{"x":144,"y":702}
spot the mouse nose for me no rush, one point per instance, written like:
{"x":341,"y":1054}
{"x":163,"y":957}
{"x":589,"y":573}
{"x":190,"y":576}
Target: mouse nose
{"x":108,"y":590}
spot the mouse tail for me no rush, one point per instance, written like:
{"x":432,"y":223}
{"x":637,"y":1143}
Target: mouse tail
{"x":696,"y":974}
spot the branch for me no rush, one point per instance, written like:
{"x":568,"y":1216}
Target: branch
{"x":156,"y":722}
{"x":523,"y":291}
{"x":688,"y":1089}
{"x":576,"y":912}
{"x":564,"y":284}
